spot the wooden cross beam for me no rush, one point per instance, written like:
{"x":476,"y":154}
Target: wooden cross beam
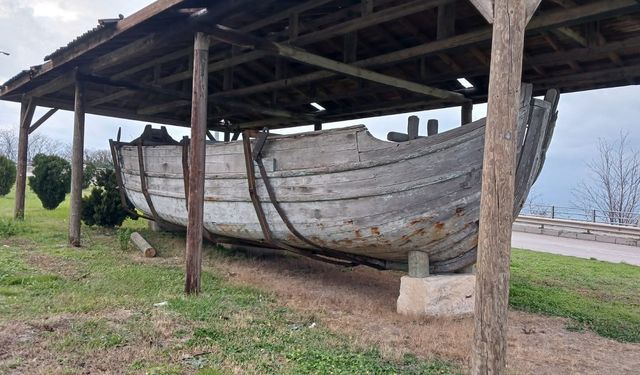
{"x":181,"y":99}
{"x":237,"y":38}
{"x":42,"y":120}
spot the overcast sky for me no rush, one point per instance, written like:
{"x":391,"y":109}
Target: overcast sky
{"x":29,"y":30}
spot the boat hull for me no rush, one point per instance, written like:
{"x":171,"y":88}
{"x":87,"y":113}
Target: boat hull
{"x":341,"y":189}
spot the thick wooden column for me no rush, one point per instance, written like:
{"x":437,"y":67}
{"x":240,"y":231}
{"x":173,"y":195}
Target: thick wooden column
{"x":77,"y":165}
{"x":26,"y":115}
{"x":498,"y":177}
{"x":197,"y":153}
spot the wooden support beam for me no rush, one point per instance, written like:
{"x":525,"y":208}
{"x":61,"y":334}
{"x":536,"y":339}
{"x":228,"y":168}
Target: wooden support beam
{"x":42,"y":120}
{"x":27,"y":108}
{"x":197,"y":154}
{"x":485,"y":8}
{"x":77,"y":166}
{"x":244,"y":40}
{"x":466,"y":113}
{"x":551,"y":20}
{"x":148,"y":43}
{"x":446,"y":24}
{"x":498,"y":185}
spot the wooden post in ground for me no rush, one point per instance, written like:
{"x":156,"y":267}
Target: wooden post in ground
{"x":26,"y":115}
{"x":197,"y":153}
{"x":498,"y":178}
{"x":77,"y":165}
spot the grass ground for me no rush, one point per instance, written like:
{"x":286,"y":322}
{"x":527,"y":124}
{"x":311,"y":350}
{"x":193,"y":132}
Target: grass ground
{"x":61,"y":306}
{"x":601,"y":296}
{"x":98,"y":302}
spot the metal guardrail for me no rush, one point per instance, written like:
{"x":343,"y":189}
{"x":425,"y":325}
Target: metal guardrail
{"x":616,"y":218}
{"x":581,"y":225}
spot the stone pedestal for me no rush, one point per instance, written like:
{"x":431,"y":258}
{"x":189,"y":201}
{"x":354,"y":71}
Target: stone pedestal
{"x":437,"y":296}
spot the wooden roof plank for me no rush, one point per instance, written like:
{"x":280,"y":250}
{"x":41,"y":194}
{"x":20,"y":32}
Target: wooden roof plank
{"x":244,"y":40}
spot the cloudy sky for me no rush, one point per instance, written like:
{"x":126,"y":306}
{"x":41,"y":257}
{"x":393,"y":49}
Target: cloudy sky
{"x":29,"y":30}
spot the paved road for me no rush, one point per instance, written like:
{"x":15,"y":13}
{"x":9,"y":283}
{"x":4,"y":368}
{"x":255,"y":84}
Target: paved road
{"x":577,"y":248}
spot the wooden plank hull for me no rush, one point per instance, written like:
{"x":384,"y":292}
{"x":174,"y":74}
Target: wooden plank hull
{"x":342,"y":189}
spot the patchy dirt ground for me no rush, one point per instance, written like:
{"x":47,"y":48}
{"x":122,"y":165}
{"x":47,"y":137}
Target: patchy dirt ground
{"x":361,"y":303}
{"x":357,"y":302}
{"x":92,"y":343}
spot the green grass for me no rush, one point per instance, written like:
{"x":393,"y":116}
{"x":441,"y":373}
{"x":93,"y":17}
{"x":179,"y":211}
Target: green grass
{"x":231,"y":326}
{"x":241,"y":327}
{"x":601,"y":296}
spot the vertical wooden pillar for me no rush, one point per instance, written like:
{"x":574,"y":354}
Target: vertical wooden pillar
{"x":26,"y":115}
{"x":498,"y":178}
{"x":197,"y":153}
{"x":466,"y":113}
{"x":77,"y":165}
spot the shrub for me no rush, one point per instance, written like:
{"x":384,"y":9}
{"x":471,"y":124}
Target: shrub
{"x":103,"y":207}
{"x":7,"y":175}
{"x":51,"y":179}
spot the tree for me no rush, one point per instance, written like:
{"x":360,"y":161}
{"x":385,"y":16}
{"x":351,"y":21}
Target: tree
{"x":613,"y":186}
{"x":38,"y":144}
{"x":103,"y":207}
{"x":51,"y":179}
{"x":7,"y":175}
{"x":95,"y":161}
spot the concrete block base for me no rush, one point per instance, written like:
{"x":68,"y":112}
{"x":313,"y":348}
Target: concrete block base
{"x":437,"y":296}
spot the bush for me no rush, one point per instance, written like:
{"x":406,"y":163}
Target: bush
{"x":103,"y":206}
{"x":51,"y":179}
{"x":7,"y":175}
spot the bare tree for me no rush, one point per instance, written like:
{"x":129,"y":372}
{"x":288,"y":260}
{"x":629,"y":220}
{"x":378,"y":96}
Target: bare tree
{"x":41,"y":144}
{"x":8,"y":144}
{"x":38,"y":144}
{"x":613,"y":186}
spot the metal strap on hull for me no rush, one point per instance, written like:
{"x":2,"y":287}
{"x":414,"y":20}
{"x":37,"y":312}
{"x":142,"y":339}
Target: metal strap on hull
{"x":318,"y":252}
{"x":185,"y":169}
{"x":143,"y":185}
{"x":121,"y":190}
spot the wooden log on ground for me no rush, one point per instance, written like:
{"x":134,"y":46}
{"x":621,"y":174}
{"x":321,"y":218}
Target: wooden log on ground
{"x":143,"y":245}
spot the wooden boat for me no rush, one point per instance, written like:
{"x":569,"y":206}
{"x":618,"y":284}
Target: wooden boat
{"x":340,"y":194}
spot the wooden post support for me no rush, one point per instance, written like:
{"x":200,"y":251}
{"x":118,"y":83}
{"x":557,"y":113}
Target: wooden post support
{"x":418,"y":264}
{"x":26,"y":115}
{"x":77,"y":165}
{"x":432,"y":127}
{"x":197,"y":154}
{"x":466,"y":113}
{"x":317,"y":126}
{"x":498,"y":179}
{"x":413,"y":126}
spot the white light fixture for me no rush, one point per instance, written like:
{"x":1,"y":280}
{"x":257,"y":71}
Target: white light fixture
{"x":318,"y":107}
{"x":466,"y":84}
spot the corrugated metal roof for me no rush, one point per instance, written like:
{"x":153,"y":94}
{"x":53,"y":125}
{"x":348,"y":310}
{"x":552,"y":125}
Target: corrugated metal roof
{"x":102,"y":24}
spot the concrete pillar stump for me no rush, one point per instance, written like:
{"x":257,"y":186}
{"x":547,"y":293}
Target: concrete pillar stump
{"x":437,"y":296}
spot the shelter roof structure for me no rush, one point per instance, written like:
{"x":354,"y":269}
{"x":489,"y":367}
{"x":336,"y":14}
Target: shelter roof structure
{"x":275,"y":62}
